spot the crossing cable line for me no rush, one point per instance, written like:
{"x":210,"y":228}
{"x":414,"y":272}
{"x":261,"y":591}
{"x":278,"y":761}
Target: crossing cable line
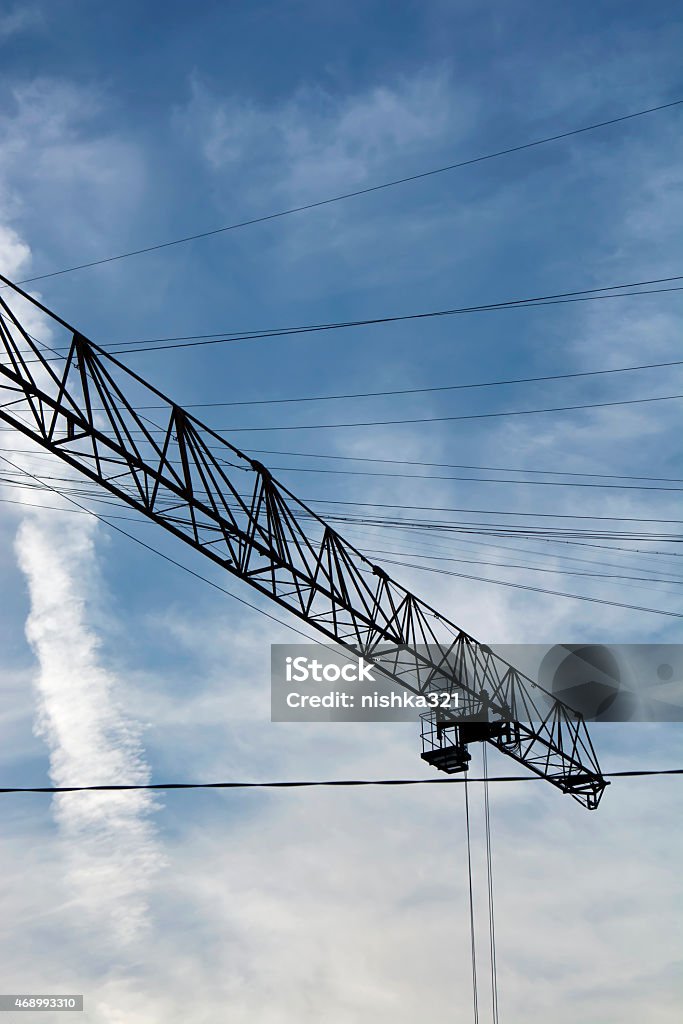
{"x":400,"y":391}
{"x":420,"y":391}
{"x":449,"y":419}
{"x":554,"y":534}
{"x":439,"y":508}
{"x":311,"y":783}
{"x":529,"y":568}
{"x":500,"y":531}
{"x":492,"y":511}
{"x":316,"y":328}
{"x":538,"y":590}
{"x":457,"y":465}
{"x":463,"y":479}
{"x":550,"y":571}
{"x":448,"y":549}
{"x":466,"y":479}
{"x":222,"y":338}
{"x":361,"y":192}
{"x":676,"y":581}
{"x":520,"y":586}
{"x":443,"y":555}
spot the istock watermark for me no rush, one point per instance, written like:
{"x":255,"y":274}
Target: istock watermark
{"x":319,"y":683}
{"x":303,"y":669}
{"x":604,"y":683}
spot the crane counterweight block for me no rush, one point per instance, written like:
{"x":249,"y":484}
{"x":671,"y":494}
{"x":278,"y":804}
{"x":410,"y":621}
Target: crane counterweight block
{"x":84,"y":406}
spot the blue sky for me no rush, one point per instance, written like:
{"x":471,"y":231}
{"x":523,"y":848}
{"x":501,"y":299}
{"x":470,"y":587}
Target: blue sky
{"x":128,"y":125}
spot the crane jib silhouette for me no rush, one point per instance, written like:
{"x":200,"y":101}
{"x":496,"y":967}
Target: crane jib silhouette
{"x":82,"y":405}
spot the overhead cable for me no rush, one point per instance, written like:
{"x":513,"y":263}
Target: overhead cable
{"x":310,"y":784}
{"x":360,"y":192}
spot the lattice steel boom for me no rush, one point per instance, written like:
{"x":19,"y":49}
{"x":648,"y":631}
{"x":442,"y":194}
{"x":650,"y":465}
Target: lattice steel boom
{"x":86,"y":407}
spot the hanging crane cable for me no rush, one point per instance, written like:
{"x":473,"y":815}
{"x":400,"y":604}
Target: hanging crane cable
{"x":473,"y":946}
{"x":489,"y":882}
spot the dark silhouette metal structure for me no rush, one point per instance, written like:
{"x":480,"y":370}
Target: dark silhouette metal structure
{"x":90,"y":410}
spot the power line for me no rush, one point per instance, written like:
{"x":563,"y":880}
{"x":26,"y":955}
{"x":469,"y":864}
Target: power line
{"x":442,"y":508}
{"x":491,"y":512}
{"x":448,"y":419}
{"x":456,"y":465}
{"x":446,"y":528}
{"x":359,"y":192}
{"x":507,"y":548}
{"x":306,"y":784}
{"x":418,"y":476}
{"x":494,"y":529}
{"x":530,"y":568}
{"x":553,"y":534}
{"x":527,"y":568}
{"x":410,"y":391}
{"x":445,"y":555}
{"x":480,"y":579}
{"x":407,"y":554}
{"x":582,"y":296}
{"x":475,"y":479}
{"x":464,"y":526}
{"x":467,"y":479}
{"x":538,"y":590}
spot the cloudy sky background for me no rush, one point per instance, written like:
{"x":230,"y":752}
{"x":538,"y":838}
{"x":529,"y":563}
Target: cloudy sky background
{"x":120,"y":129}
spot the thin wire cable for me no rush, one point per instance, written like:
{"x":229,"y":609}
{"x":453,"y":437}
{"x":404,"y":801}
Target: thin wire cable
{"x":418,"y":463}
{"x":457,"y":465}
{"x":463,"y":479}
{"x":442,"y":508}
{"x":448,"y":419}
{"x":577,"y":295}
{"x":550,"y":571}
{"x":421,"y":554}
{"x":415,"y":391}
{"x":312,"y":784}
{"x":450,"y":547}
{"x":150,"y":548}
{"x":498,"y":530}
{"x":396,"y":562}
{"x":361,"y":192}
{"x":314,"y":329}
{"x":538,"y":590}
{"x":489,"y":881}
{"x":432,"y":508}
{"x":475,"y":995}
{"x":515,"y":481}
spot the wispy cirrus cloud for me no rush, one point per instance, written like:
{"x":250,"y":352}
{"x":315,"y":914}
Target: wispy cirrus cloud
{"x":109,"y":847}
{"x":109,"y":844}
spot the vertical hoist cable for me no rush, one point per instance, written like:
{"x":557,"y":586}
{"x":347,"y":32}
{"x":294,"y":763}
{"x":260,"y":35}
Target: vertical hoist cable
{"x":489,"y":876}
{"x":475,"y":998}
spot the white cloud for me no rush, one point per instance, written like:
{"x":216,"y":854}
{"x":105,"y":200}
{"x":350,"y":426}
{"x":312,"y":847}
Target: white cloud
{"x":66,"y":181}
{"x":110,"y":847}
{"x":315,"y":143}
